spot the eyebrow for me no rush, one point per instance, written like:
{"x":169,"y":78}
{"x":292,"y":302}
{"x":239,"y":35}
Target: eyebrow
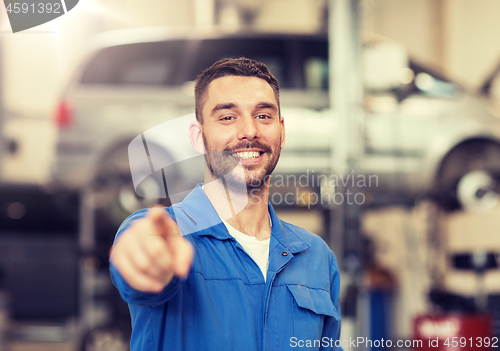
{"x":231,"y":105}
{"x":267,"y":105}
{"x":224,"y":106}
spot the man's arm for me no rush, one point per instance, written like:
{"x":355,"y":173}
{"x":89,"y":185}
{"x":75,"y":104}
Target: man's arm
{"x":149,"y":255}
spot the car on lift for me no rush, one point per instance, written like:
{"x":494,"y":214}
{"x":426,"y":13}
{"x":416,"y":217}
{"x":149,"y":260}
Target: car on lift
{"x":422,"y":136}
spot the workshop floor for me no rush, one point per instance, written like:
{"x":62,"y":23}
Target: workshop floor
{"x":41,"y":346}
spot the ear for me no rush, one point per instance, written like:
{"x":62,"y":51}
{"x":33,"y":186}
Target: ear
{"x":196,"y":137}
{"x":282,"y":125}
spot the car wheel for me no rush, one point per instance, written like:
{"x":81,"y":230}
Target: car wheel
{"x":470,"y":178}
{"x":477,"y":191}
{"x":116,"y":196}
{"x":106,"y":338}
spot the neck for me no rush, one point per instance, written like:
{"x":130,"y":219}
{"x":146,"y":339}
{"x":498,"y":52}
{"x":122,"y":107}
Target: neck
{"x":245,"y":211}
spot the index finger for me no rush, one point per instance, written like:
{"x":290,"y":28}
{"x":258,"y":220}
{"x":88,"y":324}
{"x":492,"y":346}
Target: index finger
{"x":164,"y":225}
{"x":180,"y":249}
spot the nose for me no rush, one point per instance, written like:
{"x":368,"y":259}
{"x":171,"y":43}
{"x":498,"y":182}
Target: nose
{"x":248,"y":128}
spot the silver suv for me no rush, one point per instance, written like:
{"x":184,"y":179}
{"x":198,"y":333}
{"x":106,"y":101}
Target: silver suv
{"x":425,"y":137}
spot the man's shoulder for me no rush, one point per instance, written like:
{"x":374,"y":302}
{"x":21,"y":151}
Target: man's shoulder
{"x":187,"y":224}
{"x":127,"y":222}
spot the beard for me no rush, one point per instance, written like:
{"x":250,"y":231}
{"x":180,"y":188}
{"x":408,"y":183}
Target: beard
{"x":221,"y":163}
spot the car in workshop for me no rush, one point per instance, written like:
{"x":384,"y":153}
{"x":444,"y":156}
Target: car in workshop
{"x":421,"y":136}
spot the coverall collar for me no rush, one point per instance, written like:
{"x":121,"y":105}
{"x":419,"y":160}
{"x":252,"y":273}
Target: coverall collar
{"x":202,"y":218}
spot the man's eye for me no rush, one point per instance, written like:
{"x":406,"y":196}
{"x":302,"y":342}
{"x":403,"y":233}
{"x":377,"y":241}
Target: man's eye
{"x":227,"y":118}
{"x":263,"y":117}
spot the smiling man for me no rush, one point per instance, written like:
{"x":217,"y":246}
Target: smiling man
{"x":217,"y":271}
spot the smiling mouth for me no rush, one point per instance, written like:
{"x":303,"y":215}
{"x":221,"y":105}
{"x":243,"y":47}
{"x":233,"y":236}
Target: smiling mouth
{"x":247,"y":155}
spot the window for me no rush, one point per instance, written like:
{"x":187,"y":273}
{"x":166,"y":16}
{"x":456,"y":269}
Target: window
{"x":152,"y":63}
{"x":297,"y":62}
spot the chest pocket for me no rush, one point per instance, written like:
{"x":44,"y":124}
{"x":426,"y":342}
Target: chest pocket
{"x":310,"y":306}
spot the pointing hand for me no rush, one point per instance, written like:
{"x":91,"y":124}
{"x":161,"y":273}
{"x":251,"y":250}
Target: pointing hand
{"x":151,"y":251}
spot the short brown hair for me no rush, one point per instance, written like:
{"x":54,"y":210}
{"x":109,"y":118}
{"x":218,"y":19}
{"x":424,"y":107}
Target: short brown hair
{"x":240,"y":66}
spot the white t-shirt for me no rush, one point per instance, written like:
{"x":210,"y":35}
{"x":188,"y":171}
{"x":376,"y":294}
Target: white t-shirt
{"x":258,"y":250}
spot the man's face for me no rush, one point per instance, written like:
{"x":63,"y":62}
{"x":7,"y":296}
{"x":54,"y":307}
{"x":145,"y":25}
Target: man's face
{"x":241,"y":123}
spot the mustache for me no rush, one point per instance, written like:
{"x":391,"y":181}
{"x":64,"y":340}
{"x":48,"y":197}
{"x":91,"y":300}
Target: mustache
{"x":249,"y":145}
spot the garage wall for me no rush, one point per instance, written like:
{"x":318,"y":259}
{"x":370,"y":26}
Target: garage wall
{"x":415,"y":23}
{"x":472,"y":28}
{"x":460,"y":36}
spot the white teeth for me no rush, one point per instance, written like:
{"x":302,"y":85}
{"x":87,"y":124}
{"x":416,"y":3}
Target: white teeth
{"x":246,"y":155}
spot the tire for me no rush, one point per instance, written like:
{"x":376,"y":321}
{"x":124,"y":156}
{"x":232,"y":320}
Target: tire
{"x":106,"y":338}
{"x":469,"y":178}
{"x":116,"y":196}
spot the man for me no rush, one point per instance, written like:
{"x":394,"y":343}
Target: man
{"x":252,"y":282}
